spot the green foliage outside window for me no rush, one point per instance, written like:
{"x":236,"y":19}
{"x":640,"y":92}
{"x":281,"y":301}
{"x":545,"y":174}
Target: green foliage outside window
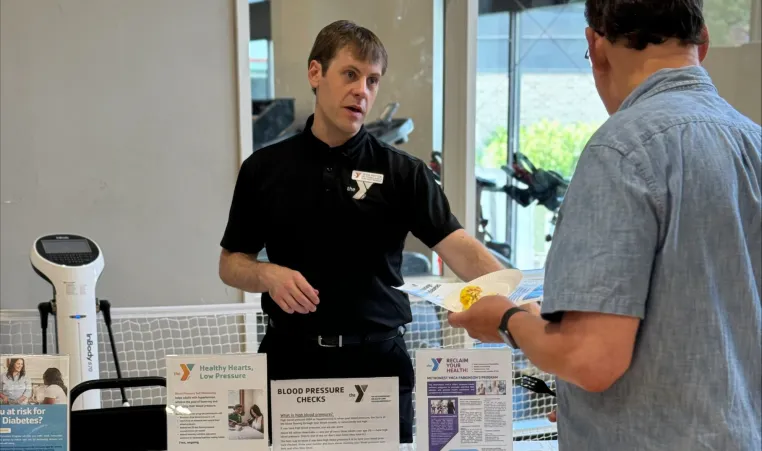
{"x":549,"y":145}
{"x":727,"y":21}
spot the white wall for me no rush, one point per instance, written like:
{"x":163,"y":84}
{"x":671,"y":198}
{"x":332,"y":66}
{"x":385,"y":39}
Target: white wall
{"x":119,"y":121}
{"x":737,"y":74}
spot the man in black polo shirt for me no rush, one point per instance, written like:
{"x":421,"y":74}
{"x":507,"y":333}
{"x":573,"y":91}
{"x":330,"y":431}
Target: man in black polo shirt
{"x":333,"y":207}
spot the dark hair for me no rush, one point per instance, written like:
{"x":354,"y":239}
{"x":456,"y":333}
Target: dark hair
{"x":52,"y":376}
{"x":642,"y":22}
{"x":363,"y":43}
{"x":12,"y":365}
{"x":255,"y":410}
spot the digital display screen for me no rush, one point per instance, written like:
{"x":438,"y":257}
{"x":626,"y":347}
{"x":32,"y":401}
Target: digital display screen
{"x":66,"y":246}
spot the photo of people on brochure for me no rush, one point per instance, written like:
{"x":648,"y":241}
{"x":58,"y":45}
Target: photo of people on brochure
{"x":444,"y":406}
{"x":245,"y":415}
{"x":494,"y":387}
{"x":30,"y":381}
{"x":34,"y":402}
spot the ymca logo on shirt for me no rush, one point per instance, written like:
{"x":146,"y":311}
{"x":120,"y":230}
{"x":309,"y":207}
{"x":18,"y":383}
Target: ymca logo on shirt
{"x":364,"y":181}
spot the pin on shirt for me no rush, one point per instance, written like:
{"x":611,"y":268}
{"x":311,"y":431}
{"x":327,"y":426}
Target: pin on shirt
{"x":364,"y":181}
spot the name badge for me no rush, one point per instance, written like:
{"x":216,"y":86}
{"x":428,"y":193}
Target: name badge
{"x":368,"y":177}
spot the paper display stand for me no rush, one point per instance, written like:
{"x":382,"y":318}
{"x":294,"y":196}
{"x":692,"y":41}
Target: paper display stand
{"x":34,"y":409}
{"x":464,"y":400}
{"x":336,"y":414}
{"x":522,"y":287}
{"x":214,"y":402}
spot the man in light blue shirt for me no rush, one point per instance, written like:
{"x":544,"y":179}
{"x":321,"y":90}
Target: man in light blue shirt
{"x":652,"y":319}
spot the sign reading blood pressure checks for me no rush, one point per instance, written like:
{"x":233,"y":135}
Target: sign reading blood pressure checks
{"x":336,"y":414}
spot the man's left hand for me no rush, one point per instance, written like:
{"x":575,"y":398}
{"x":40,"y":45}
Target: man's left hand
{"x":482,"y":320}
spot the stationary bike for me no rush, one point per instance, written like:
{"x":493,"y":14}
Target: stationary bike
{"x":546,"y":187}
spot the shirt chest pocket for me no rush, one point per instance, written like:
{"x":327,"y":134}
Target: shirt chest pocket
{"x":291,"y":211}
{"x":373,"y":211}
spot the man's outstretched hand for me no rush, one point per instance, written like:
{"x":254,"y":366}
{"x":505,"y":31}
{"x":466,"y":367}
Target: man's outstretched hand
{"x":483,"y":318}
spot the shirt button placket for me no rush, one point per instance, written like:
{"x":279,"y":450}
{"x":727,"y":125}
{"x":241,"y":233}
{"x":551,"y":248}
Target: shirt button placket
{"x":328,"y":178}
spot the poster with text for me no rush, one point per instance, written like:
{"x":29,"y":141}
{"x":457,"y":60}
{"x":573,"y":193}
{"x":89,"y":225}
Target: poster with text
{"x":464,"y":399}
{"x":34,"y":402}
{"x":336,"y":415}
{"x":217,"y":402}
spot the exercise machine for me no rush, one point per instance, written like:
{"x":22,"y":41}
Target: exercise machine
{"x":270,"y":119}
{"x":545,"y":187}
{"x":72,"y":264}
{"x":391,"y":130}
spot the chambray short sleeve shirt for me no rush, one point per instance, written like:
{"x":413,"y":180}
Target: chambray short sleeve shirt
{"x":663,"y":221}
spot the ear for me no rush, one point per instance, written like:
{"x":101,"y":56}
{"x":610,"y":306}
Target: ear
{"x":596,"y":48}
{"x":704,"y":48}
{"x":591,"y":50}
{"x":590,"y":36}
{"x":315,"y":73}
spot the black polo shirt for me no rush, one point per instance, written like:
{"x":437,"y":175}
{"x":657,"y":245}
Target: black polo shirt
{"x":340,"y":217}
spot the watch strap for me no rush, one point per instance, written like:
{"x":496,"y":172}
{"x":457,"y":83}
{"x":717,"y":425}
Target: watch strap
{"x":504,"y":325}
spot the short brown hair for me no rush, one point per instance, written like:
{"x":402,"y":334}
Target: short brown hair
{"x":363,"y":43}
{"x":638,"y":23}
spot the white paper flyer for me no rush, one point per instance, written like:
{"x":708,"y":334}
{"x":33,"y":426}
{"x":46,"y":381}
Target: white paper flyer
{"x":464,"y":400}
{"x":544,"y":445}
{"x":34,"y":402}
{"x":217,"y":402}
{"x":521,"y":287}
{"x":336,"y":415}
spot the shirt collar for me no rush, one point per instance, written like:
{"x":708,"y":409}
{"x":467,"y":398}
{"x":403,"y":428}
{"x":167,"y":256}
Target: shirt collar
{"x":345,"y":149}
{"x":689,"y":77}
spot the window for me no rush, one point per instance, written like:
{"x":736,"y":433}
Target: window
{"x":259,"y":69}
{"x":492,"y":107}
{"x":534,"y":94}
{"x":260,"y":50}
{"x":559,"y":110}
{"x":553,"y":109}
{"x":728,"y":21}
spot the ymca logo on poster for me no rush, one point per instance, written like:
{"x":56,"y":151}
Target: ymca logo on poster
{"x":434,"y":365}
{"x":186,"y":369}
{"x":361,"y":389}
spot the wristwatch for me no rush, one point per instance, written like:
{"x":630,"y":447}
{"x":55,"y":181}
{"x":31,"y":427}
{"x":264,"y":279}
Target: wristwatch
{"x":503,"y":328}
